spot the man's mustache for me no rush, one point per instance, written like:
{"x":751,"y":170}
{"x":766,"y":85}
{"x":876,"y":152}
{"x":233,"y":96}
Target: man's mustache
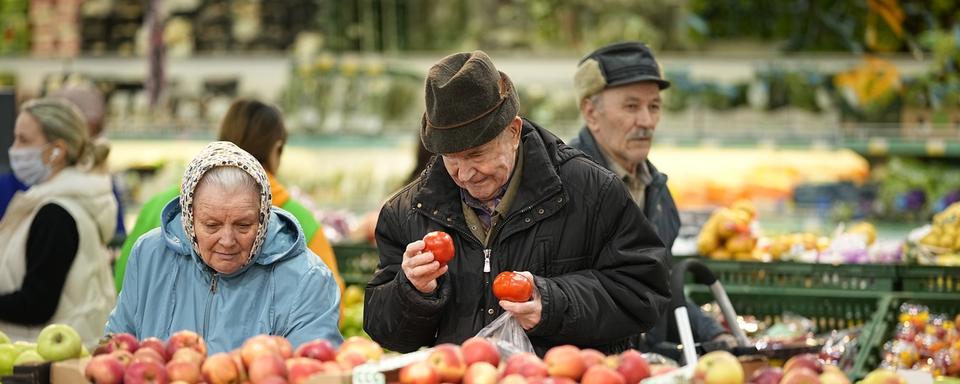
{"x":639,"y":134}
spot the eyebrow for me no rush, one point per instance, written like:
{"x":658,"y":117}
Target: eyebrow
{"x":656,"y":99}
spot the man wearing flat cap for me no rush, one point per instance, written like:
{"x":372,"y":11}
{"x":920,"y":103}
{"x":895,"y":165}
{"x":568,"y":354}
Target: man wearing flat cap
{"x":514,"y":198}
{"x":618,"y":89}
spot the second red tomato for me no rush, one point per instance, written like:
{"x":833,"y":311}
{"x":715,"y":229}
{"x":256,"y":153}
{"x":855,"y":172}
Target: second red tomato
{"x":512,"y":286}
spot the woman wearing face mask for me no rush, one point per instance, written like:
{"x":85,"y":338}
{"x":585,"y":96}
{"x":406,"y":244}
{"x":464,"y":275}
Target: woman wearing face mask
{"x":54,"y":265}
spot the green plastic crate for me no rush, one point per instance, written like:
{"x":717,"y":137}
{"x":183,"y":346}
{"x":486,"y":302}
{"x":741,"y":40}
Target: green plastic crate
{"x":829,"y":309}
{"x":357,"y":262}
{"x":921,"y":278}
{"x":855,"y":277}
{"x":885,"y":321}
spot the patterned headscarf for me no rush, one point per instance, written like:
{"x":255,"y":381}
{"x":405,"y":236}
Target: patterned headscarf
{"x":224,"y":154}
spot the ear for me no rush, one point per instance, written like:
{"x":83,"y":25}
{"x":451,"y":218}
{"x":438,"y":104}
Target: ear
{"x":58,"y":152}
{"x":589,"y":112}
{"x":515,"y":127}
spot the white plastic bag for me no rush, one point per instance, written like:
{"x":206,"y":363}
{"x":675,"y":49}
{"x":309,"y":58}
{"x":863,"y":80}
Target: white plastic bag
{"x":507,"y":334}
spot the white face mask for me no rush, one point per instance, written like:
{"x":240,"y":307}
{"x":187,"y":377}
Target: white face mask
{"x":27,"y":164}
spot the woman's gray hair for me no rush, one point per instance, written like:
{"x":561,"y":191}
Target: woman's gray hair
{"x":229,"y":179}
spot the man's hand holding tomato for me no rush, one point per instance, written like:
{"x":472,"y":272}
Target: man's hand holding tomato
{"x":420,"y":267}
{"x":426,"y":260}
{"x":528,"y":312}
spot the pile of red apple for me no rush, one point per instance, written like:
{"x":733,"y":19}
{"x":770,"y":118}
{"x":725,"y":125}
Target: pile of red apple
{"x":801,"y":369}
{"x":478,"y":361}
{"x":183,"y":358}
{"x":924,"y":341}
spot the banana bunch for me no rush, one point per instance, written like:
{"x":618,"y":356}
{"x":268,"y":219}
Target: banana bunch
{"x":727,"y":234}
{"x":866,"y":229}
{"x":791,"y":245}
{"x":945,"y":230}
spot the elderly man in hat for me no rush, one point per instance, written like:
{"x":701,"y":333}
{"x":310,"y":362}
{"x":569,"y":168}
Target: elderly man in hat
{"x":618,"y":87}
{"x":514,"y":198}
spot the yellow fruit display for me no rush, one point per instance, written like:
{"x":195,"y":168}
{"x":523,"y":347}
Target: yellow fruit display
{"x":865,"y":229}
{"x":789,"y":245}
{"x":727,"y":234}
{"x":944,"y":230}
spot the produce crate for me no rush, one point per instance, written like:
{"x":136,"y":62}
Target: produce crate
{"x":357,"y":262}
{"x":885,"y":321}
{"x":828,"y":309}
{"x":852,"y":277}
{"x":920,"y":278}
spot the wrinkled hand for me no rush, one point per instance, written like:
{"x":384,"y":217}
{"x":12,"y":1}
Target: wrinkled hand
{"x":528,"y":313}
{"x":420,"y":268}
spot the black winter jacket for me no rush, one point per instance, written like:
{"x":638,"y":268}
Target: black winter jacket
{"x":598,"y":265}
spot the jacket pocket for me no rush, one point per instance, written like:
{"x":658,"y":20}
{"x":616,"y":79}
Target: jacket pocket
{"x":555,"y":261}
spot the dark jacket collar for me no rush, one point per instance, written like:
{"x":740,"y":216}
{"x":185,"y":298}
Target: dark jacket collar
{"x":438,"y":196}
{"x":588,"y":144}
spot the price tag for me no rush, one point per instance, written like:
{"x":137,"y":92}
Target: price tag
{"x":767,"y":143}
{"x":936,"y":147}
{"x":820,"y":145}
{"x":368,"y":377}
{"x":710,"y":142}
{"x":878,"y":146}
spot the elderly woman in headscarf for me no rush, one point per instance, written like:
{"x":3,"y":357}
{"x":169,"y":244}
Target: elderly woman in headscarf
{"x":226,"y":264}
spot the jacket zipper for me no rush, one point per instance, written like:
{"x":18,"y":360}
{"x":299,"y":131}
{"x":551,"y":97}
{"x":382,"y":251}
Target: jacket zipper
{"x":486,"y":260}
{"x":206,"y":313}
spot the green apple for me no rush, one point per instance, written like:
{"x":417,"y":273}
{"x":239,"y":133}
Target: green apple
{"x":23,"y":346}
{"x":3,"y":338}
{"x":8,"y":354}
{"x":58,"y":342}
{"x":28,"y":357}
{"x":84,"y":352}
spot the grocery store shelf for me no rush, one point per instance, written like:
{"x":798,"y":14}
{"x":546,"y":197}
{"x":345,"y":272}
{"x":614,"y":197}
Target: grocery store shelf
{"x":865,"y":139}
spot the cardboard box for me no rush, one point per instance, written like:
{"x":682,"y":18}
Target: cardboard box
{"x":69,"y":371}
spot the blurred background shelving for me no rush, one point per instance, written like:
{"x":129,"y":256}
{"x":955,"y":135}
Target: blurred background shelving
{"x":869,"y":86}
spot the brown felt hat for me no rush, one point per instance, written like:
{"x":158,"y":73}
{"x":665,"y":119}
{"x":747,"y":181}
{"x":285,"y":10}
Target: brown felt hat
{"x":468,"y":103}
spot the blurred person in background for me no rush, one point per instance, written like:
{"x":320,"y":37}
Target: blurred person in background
{"x":257,"y":128}
{"x":54,"y":264}
{"x":91,"y":104}
{"x":226,"y":263}
{"x":512,"y":197}
{"x":365,"y":230}
{"x":618,"y":88}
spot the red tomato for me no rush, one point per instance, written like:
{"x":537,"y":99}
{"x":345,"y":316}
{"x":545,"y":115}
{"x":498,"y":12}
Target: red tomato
{"x":512,"y":286}
{"x":440,"y":244}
